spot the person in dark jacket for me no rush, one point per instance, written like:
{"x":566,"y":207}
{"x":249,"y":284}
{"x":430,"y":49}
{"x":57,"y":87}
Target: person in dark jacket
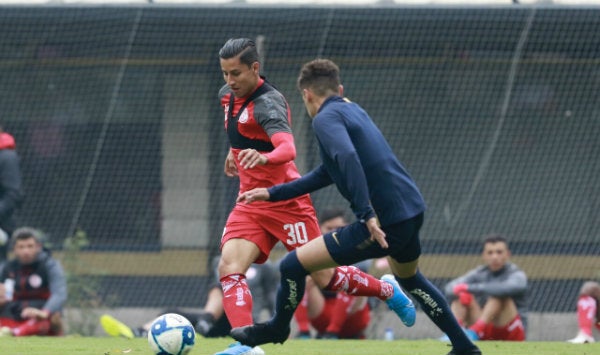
{"x":11,"y":195}
{"x":37,"y":288}
{"x":386,"y":201}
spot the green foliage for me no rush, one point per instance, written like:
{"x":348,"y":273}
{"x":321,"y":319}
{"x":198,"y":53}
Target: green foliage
{"x":84,"y":296}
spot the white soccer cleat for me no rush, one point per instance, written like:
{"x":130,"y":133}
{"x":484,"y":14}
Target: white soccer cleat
{"x":582,"y":338}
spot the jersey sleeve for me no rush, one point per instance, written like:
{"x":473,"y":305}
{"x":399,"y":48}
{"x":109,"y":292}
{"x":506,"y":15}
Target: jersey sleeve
{"x":337,"y":144}
{"x":284,"y":151}
{"x":314,"y":180}
{"x":272,"y":114}
{"x":58,"y":287}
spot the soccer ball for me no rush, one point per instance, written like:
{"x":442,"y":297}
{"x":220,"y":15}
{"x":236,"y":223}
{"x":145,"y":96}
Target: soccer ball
{"x":171,"y":334}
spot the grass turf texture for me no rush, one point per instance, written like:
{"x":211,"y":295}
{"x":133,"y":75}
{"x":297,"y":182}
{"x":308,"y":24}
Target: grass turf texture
{"x":139,"y":346}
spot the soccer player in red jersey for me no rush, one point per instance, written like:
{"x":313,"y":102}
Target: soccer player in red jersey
{"x":257,"y":122}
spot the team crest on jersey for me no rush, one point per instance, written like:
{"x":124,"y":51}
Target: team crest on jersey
{"x":35,"y":280}
{"x":243,"y":117}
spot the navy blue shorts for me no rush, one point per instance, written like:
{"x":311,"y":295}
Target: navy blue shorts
{"x":351,"y":244}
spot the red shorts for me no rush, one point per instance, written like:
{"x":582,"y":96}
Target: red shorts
{"x":354,"y":326}
{"x":513,"y":331}
{"x":293,"y":222}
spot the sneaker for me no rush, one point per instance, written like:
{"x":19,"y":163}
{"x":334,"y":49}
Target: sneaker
{"x":582,"y":338}
{"x":444,"y":338}
{"x":472,"y":351}
{"x":400,"y":303}
{"x":115,"y":327}
{"x":238,"y":349}
{"x":5,"y":332}
{"x":329,"y":336}
{"x":205,"y":323}
{"x":260,"y":333}
{"x":303,"y":335}
{"x":471,"y":334}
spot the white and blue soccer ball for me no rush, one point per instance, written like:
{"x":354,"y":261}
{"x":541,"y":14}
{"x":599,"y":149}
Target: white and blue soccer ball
{"x":171,"y":334}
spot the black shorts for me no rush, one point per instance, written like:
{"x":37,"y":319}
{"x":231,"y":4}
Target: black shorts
{"x":352,"y":243}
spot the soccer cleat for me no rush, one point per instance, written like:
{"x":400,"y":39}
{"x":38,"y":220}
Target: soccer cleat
{"x":400,"y":303}
{"x":582,"y":338}
{"x":115,"y":327}
{"x":239,"y":349}
{"x":472,"y":351}
{"x":260,"y":333}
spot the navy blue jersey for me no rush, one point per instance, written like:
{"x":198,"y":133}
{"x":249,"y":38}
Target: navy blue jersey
{"x":357,"y":158}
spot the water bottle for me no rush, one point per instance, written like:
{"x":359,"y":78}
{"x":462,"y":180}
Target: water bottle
{"x":389,"y":334}
{"x":9,"y":289}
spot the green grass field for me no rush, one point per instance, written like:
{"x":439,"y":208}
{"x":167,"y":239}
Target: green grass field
{"x":116,"y":346}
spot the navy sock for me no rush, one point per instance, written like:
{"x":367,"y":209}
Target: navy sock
{"x":290,"y":291}
{"x":436,"y":307}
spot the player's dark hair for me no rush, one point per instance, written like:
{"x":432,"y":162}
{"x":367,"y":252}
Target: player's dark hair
{"x":331,"y":213}
{"x":25,"y":233}
{"x":244,"y":47}
{"x":495,"y":238}
{"x":322,"y":76}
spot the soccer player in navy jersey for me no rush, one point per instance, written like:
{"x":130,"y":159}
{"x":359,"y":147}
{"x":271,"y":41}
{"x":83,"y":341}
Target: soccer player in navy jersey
{"x":385,"y":199}
{"x":262,"y":152}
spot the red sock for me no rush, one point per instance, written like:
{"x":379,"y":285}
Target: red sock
{"x":301,"y":316}
{"x":353,"y":281}
{"x":479,"y":328}
{"x":237,"y":300}
{"x":586,"y":312}
{"x":32,"y":327}
{"x":339,"y":313}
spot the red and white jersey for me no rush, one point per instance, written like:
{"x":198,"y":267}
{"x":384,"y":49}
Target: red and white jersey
{"x":260,"y":119}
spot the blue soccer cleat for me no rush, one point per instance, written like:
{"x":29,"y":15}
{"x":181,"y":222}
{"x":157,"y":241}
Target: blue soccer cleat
{"x":400,"y":303}
{"x":238,"y":349}
{"x":471,"y":334}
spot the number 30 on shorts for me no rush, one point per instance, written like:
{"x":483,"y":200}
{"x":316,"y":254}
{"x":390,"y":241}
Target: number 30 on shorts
{"x":296,"y":233}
